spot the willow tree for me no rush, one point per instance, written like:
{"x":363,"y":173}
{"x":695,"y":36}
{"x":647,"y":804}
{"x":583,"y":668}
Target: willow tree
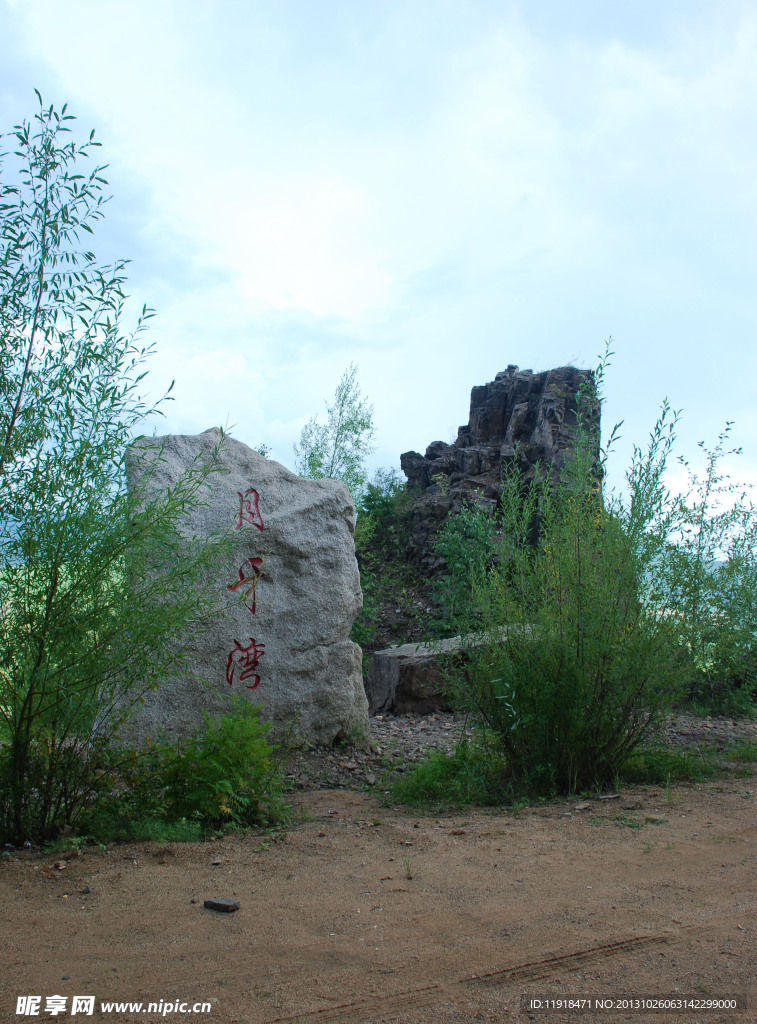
{"x":90,"y":604}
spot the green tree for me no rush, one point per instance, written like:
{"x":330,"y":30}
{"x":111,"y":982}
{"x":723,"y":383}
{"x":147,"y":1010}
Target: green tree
{"x":96,"y":583}
{"x":703,"y":569}
{"x":338,"y":448}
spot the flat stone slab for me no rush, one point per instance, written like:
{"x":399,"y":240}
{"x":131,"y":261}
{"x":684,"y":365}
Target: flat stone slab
{"x":223,"y":906}
{"x":411,"y":678}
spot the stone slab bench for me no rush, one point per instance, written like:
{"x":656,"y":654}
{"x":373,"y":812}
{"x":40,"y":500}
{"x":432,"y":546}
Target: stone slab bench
{"x":411,"y":678}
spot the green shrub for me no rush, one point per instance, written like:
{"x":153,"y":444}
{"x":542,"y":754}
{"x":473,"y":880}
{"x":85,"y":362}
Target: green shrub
{"x":467,"y":544}
{"x":573,"y":673}
{"x":473,"y":774}
{"x":745,"y":751}
{"x":660,"y":766}
{"x":598,"y":613}
{"x":381,"y":535}
{"x":380,"y":499}
{"x":224,"y":776}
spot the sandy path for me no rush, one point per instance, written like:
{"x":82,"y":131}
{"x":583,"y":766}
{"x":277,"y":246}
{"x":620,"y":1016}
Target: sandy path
{"x":330,"y":928}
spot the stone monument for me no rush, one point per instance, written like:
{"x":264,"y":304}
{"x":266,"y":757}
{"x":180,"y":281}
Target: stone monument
{"x":291,"y":588}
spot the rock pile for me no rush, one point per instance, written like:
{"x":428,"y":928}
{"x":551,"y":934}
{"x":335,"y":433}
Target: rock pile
{"x":397,"y":743}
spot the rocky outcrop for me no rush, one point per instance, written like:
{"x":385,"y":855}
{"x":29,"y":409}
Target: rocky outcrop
{"x":291,"y":590}
{"x":522,"y":417}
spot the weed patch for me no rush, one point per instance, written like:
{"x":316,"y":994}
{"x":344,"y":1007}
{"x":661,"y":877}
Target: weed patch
{"x":223,"y":777}
{"x":471,"y":775}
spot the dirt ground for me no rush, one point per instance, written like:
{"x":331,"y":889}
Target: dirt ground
{"x":368,"y":913}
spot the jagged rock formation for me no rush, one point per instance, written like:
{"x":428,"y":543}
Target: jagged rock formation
{"x":520,"y":415}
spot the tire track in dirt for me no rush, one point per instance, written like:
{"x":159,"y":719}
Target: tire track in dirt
{"x":537,"y":970}
{"x":426,"y":995}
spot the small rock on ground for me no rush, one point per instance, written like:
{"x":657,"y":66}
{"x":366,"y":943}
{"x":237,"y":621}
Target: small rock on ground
{"x":224,"y":906}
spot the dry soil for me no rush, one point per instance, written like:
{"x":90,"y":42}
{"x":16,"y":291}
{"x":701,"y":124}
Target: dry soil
{"x":363,"y":912}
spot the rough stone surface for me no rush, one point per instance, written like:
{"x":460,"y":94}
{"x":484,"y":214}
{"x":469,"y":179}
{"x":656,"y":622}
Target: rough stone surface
{"x":520,"y":415}
{"x":409,"y":679}
{"x":292,"y":590}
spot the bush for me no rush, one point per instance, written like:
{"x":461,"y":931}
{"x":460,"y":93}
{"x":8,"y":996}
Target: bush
{"x":224,"y":776}
{"x":467,"y":544}
{"x":598,"y":614}
{"x":573,"y":673}
{"x":381,"y":536}
{"x":473,"y":774}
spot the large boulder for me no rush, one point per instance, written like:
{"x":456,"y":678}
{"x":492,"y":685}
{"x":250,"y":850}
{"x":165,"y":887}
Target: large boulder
{"x":291,"y":590}
{"x":520,"y":419}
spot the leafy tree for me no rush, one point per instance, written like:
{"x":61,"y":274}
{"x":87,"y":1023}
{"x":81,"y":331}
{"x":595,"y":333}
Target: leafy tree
{"x":95,"y":583}
{"x":703,"y":569}
{"x":338,"y":448}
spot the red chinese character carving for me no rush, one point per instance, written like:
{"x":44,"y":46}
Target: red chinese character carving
{"x":248,"y":581}
{"x":249,"y":512}
{"x":246,"y":659}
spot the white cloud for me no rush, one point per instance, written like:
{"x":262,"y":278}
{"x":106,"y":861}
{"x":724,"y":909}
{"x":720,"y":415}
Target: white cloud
{"x":430,"y":198}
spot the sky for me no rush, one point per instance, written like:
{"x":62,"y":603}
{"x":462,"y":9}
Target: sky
{"x":428,"y":190}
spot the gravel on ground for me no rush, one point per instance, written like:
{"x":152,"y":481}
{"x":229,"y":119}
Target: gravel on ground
{"x":397,"y":742}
